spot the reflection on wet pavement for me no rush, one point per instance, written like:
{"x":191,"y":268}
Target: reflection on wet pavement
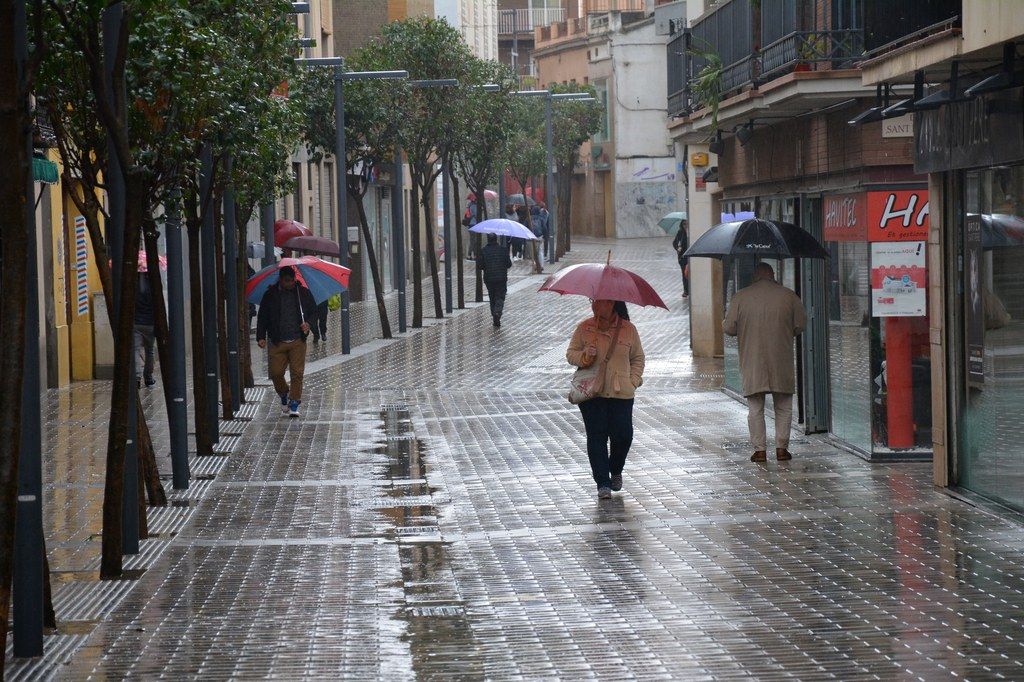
{"x":432,"y":516}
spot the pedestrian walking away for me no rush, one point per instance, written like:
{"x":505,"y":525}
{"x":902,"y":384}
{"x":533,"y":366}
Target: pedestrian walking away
{"x":680,"y":244}
{"x":282,"y":320}
{"x":319,"y":325}
{"x":494,"y":262}
{"x":144,"y":340}
{"x":767,"y":317}
{"x":608,"y":338}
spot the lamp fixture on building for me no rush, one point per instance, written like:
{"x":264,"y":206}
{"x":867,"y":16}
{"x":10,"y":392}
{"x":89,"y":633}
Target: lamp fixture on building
{"x":717,"y":146}
{"x":710,"y":175}
{"x":745,"y":132}
{"x":1003,"y":80}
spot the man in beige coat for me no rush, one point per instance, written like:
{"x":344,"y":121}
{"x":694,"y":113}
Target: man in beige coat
{"x":767,"y":317}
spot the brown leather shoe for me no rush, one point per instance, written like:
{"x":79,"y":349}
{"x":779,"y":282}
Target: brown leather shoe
{"x":783,"y":455}
{"x":759,"y":456}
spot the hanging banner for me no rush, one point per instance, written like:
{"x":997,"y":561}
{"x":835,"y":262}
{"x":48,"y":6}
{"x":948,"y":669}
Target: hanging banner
{"x":899,"y":279}
{"x":81,"y":267}
{"x":974,"y":300}
{"x":898,"y":216}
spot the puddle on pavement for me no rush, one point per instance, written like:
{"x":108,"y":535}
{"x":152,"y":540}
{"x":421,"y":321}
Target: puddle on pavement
{"x":437,"y":630}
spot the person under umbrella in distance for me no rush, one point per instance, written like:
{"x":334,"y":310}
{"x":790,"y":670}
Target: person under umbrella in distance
{"x":284,"y":311}
{"x":767,"y":317}
{"x":680,"y":244}
{"x":494,"y":262}
{"x":608,"y":338}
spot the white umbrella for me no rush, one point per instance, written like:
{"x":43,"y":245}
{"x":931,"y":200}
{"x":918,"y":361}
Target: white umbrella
{"x":504,"y":227}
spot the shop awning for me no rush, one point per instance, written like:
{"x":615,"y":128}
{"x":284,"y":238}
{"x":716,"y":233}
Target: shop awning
{"x":44,"y":171}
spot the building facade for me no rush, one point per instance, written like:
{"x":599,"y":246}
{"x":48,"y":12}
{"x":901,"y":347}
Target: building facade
{"x":627,"y":179}
{"x":968,"y":123}
{"x":477,"y":20}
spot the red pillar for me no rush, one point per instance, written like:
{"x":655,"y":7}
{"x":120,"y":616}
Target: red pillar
{"x":899,"y":381}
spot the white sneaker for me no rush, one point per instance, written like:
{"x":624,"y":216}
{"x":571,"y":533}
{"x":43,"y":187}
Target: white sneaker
{"x":293,"y":408}
{"x":284,"y":403}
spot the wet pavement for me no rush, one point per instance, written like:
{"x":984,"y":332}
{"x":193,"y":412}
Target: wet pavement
{"x":432,"y":515}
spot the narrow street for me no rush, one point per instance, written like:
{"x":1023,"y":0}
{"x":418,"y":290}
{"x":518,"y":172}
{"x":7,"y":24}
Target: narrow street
{"x":431,"y":515}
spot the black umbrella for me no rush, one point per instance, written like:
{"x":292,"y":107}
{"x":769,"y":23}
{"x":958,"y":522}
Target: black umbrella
{"x":756,"y":237}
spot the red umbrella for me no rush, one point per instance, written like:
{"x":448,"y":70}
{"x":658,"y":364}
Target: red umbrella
{"x":489,"y":195}
{"x":317,"y":245}
{"x":286,"y":229}
{"x":605,"y":282}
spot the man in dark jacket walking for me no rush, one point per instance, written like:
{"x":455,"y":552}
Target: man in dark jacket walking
{"x":494,"y":262}
{"x":282,"y":319}
{"x":144,"y":331}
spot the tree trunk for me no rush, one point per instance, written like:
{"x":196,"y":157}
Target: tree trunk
{"x":432,"y":251}
{"x":160,"y":327}
{"x":417,"y":267}
{"x":481,"y":215}
{"x":123,"y":389}
{"x":371,"y":256}
{"x":460,"y":269}
{"x":564,"y":189}
{"x":244,"y":349}
{"x":49,"y":615}
{"x":143,"y":521}
{"x":226,"y":401}
{"x":147,"y":461}
{"x":13,"y":231}
{"x":204,"y":442}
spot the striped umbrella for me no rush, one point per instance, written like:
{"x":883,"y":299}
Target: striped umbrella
{"x":323,"y":279}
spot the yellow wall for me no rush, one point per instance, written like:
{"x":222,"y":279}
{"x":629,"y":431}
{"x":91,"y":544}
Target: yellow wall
{"x":59,"y":274}
{"x":80,"y":287}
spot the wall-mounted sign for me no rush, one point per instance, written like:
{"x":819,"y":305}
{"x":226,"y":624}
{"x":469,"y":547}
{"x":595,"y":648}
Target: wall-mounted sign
{"x":897,"y":216}
{"x":982,"y":131}
{"x":699,"y":159}
{"x":899,"y":279}
{"x":901,"y":126}
{"x":81,"y":267}
{"x":844,"y":218}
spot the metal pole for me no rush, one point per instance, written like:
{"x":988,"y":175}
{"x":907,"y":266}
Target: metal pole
{"x":267,"y":220}
{"x":177,"y":416}
{"x":28,"y":531}
{"x":209,"y":286}
{"x":113,"y":16}
{"x":549,"y":190}
{"x":342,"y":191}
{"x":447,"y":187}
{"x":234,"y":377}
{"x":398,"y":237}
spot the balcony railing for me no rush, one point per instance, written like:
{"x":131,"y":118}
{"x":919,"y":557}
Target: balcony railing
{"x":891,"y":24}
{"x":512,"y":21}
{"x":834,"y":49}
{"x":599,"y":6}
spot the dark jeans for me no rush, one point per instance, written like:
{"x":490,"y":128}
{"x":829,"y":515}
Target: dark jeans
{"x":686,"y":280}
{"x":496,"y":291}
{"x":517,"y":247}
{"x":607,"y":419}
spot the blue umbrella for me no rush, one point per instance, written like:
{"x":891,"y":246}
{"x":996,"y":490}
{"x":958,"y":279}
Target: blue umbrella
{"x":503,"y":227}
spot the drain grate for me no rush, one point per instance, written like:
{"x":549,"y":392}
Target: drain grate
{"x":394,"y":407}
{"x":440,"y":611}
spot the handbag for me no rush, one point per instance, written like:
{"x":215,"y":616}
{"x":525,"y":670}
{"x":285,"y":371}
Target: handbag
{"x":587,"y":382}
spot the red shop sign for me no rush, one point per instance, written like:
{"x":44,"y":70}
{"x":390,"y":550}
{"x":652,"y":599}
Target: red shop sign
{"x":898,"y":216}
{"x":844,"y":218}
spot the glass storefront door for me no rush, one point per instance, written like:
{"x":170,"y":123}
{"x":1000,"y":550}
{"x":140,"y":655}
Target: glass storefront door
{"x":990,"y":246}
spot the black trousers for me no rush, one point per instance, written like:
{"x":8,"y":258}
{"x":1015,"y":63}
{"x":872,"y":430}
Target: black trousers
{"x":607,"y":420}
{"x":686,"y":279}
{"x":319,"y":325}
{"x":496,"y":291}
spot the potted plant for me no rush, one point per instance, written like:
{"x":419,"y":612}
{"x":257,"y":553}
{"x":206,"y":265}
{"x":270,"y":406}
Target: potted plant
{"x":811,"y":48}
{"x":707,"y":86}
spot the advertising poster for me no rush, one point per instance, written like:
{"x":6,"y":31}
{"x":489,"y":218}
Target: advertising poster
{"x":899,"y":279}
{"x":974,"y":303}
{"x":898,"y":216}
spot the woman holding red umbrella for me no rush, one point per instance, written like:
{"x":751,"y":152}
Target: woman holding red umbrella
{"x":610,"y":339}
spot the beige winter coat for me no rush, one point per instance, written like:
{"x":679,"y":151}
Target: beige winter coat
{"x":766,"y":317}
{"x":625,"y":370}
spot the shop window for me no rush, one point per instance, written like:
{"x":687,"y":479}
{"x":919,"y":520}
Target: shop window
{"x":991,"y":454}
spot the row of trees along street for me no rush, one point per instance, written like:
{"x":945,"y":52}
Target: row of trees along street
{"x":181,"y":103}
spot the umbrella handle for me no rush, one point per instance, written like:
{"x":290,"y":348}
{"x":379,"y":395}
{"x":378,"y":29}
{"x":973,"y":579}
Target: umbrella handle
{"x":609,"y":261}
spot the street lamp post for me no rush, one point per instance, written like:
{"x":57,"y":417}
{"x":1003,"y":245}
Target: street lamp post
{"x":176,"y":411}
{"x":340,"y":76}
{"x":234,"y":377}
{"x":208,"y":276}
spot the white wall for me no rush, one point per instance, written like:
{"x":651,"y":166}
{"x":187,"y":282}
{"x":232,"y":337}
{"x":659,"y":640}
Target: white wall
{"x":646,"y":181}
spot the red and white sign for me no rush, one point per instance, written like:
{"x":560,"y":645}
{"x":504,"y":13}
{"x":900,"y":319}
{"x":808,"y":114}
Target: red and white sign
{"x":899,"y":279}
{"x":844,"y":218}
{"x":898,"y":216}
